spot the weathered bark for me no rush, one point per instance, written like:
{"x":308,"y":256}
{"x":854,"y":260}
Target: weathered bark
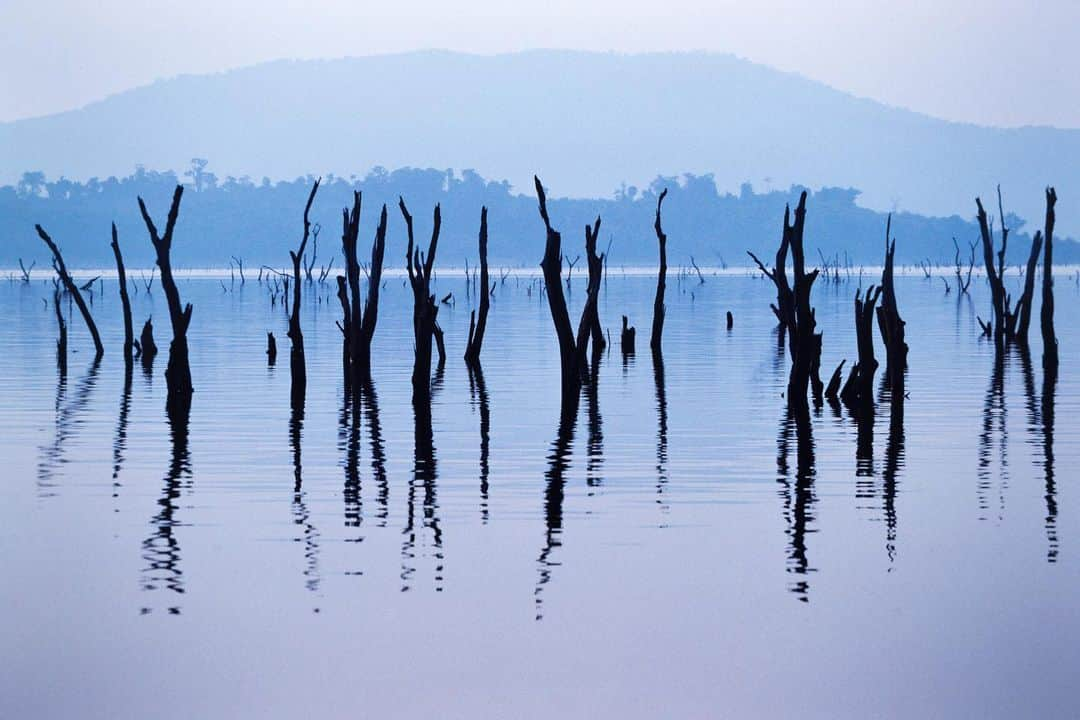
{"x":425,"y":311}
{"x":297,"y":365}
{"x":73,"y":290}
{"x":1050,"y":344}
{"x":178,"y":371}
{"x":551,"y":265}
{"x":890,"y":322}
{"x":478,"y":322}
{"x":125,"y":303}
{"x":661,"y":282}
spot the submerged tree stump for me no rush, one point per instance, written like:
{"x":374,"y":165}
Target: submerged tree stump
{"x":859,"y":389}
{"x":626,"y":340}
{"x":178,"y":371}
{"x":271,"y":349}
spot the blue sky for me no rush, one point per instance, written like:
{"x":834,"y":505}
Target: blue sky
{"x":991,"y":62}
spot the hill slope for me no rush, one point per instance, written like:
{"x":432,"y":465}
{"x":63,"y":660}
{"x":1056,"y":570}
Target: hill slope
{"x":584,"y":121}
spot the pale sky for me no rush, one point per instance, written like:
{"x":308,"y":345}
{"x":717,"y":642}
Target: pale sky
{"x":992,"y":62}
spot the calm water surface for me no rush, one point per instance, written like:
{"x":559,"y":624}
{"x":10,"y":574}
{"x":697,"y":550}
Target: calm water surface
{"x":679,"y":549}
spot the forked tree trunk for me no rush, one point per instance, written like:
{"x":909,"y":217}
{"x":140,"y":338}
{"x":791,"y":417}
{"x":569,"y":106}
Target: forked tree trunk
{"x":297,"y":365}
{"x":806,"y":347}
{"x":178,"y":371}
{"x":359,"y":320}
{"x":859,"y":390}
{"x":589,"y":325}
{"x":425,"y":311}
{"x":551,"y":265}
{"x":890,"y":322}
{"x":478,"y":322}
{"x":997,"y":287}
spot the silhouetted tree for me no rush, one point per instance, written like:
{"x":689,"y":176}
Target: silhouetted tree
{"x":297,"y":366}
{"x":178,"y":371}
{"x":478,"y":323}
{"x":73,"y":291}
{"x":125,"y":303}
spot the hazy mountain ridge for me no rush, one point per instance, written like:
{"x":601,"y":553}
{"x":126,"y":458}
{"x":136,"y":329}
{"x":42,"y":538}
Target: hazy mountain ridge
{"x":584,"y":121}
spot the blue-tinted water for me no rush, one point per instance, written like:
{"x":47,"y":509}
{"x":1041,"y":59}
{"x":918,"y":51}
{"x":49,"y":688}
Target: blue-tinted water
{"x":679,"y":549}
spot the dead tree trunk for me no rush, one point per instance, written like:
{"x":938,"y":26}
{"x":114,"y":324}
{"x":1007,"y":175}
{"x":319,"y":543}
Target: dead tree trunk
{"x":596,"y":276}
{"x":551,"y":265}
{"x":297,"y":366}
{"x":1050,"y":344}
{"x":661,"y":282}
{"x":129,"y":332}
{"x":425,"y":310}
{"x":1022,"y":316}
{"x":997,"y":287}
{"x":784,"y":309}
{"x":178,"y":371}
{"x":61,"y":340}
{"x":73,"y":290}
{"x":360,"y":321}
{"x":478,"y":323}
{"x":889,"y":321}
{"x":806,"y":345}
{"x":589,"y":325}
{"x":859,"y":389}
{"x":792,"y":308}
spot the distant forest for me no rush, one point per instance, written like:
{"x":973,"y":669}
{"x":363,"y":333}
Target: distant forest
{"x":259,"y":221}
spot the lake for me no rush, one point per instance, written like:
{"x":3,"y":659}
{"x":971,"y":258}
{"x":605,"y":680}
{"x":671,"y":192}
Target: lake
{"x":679,"y":549}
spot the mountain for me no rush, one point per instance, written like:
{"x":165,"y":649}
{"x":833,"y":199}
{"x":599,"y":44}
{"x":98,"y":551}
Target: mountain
{"x":584,"y":121}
